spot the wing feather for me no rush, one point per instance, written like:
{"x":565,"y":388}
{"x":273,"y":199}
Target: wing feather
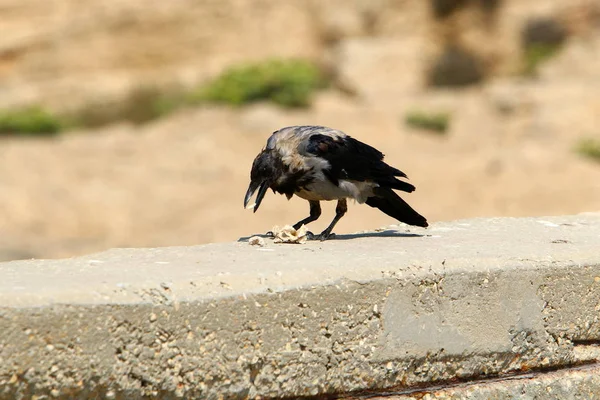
{"x":354,"y":160}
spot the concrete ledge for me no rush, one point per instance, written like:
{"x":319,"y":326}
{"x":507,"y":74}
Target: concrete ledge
{"x":386,"y":311}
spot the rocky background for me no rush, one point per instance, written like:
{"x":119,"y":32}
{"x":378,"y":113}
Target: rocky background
{"x":492,"y":107}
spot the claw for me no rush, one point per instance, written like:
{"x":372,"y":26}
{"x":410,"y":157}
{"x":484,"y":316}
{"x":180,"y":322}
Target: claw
{"x":325,"y":236}
{"x":321,"y":237}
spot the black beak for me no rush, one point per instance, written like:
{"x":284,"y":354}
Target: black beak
{"x":262,"y":189}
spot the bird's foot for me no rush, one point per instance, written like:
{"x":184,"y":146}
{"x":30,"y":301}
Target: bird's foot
{"x":326,"y":235}
{"x":322,"y":236}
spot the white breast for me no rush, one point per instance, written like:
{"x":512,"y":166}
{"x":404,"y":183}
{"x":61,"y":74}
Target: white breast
{"x":323,"y":189}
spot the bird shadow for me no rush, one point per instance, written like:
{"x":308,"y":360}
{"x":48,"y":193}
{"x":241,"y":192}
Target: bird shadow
{"x":389,"y":233}
{"x":262,"y":235}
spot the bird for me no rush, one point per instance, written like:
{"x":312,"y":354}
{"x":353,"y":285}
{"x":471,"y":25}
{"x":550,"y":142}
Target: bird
{"x":317,"y":163}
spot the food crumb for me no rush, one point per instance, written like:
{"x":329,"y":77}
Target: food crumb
{"x":288,"y":234}
{"x":256,"y":241}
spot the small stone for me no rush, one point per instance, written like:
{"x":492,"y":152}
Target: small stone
{"x":376,"y":310}
{"x":153,"y":317}
{"x":55,"y":393}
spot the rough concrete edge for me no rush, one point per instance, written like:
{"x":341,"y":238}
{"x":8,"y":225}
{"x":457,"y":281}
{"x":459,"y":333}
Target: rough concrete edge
{"x":375,"y":363}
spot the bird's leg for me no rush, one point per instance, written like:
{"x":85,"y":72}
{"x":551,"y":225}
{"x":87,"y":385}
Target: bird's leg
{"x":315,"y":213}
{"x":340,"y":210}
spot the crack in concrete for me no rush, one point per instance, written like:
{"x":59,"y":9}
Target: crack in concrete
{"x":461,"y":383}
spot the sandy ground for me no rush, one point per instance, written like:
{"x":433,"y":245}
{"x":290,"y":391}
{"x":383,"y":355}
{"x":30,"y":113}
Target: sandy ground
{"x":181,"y":180}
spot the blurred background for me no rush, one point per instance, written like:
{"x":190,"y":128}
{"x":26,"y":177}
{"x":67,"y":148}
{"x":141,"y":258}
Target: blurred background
{"x":134,"y":123}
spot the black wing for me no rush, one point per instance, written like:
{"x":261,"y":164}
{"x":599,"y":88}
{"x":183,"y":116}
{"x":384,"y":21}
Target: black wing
{"x":352,"y":159}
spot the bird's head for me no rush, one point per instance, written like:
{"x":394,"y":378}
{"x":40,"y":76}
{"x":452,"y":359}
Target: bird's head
{"x":264,"y":173}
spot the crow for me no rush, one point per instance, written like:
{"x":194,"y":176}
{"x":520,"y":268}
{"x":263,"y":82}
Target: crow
{"x":317,"y":164}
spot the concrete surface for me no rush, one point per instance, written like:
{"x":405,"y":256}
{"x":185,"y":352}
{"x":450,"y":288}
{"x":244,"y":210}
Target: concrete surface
{"x":379,"y":312}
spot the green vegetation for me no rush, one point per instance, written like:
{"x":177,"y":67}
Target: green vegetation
{"x":289,"y":83}
{"x":142,"y":105}
{"x":535,"y":55}
{"x":29,"y":121}
{"x":433,"y":122}
{"x":541,"y":38}
{"x":590,"y":148}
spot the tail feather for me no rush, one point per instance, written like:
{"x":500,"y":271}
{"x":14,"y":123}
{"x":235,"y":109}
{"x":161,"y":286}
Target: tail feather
{"x":399,"y":185}
{"x":391,"y":204}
